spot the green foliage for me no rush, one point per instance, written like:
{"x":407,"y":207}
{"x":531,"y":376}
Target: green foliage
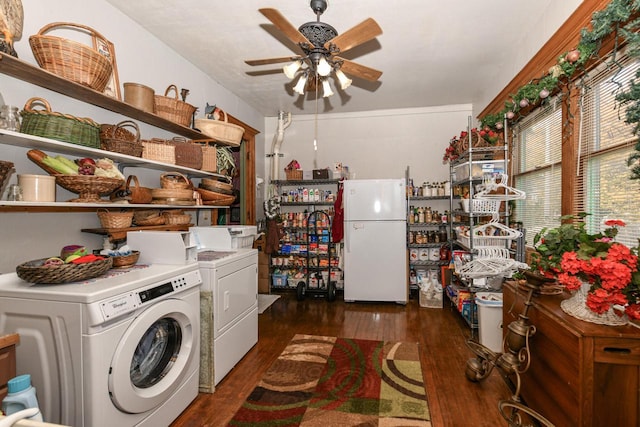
{"x":614,"y":18}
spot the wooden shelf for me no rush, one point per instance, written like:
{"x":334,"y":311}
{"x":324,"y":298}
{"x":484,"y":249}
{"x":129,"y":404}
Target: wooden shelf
{"x":27,"y":72}
{"x":117,"y":234}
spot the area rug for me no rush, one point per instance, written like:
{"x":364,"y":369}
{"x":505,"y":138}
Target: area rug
{"x":329,"y":381}
{"x":265,"y":301}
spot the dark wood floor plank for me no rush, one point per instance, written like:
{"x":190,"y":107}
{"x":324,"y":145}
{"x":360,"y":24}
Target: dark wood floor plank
{"x":441,"y":334}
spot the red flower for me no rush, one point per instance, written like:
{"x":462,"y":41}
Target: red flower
{"x":633,"y":311}
{"x":614,"y":223}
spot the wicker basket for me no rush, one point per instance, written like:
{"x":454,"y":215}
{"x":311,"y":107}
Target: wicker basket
{"x":58,"y":126}
{"x":88,"y":187}
{"x":140,"y":96}
{"x":213,"y":197}
{"x":72,"y":60}
{"x":174,"y":181}
{"x":217,"y":186}
{"x":125,"y":261}
{"x":36,"y":272}
{"x":117,"y":139}
{"x":209,"y":155}
{"x":138,"y":194}
{"x":174,"y":219}
{"x":188,"y":154}
{"x":293,"y":175}
{"x":5,"y":172}
{"x":222,"y":131}
{"x":149,"y":217}
{"x":173,"y":109}
{"x":159,"y":150}
{"x":115,"y":219}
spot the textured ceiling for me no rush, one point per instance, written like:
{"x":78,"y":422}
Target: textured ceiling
{"x":431,"y":52}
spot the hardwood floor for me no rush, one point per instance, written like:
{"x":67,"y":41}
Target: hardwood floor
{"x":441,"y":333}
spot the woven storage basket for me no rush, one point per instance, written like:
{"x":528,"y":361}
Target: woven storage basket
{"x":117,"y":139}
{"x":212,"y":197}
{"x":69,"y":59}
{"x":180,"y":219}
{"x":88,"y":187}
{"x":209,"y":155}
{"x":36,"y":272}
{"x":138,"y":194}
{"x":149,"y":217}
{"x":115,"y":219}
{"x":58,"y":126}
{"x":219,"y":130}
{"x":159,"y":150}
{"x":125,"y":261}
{"x":188,"y":154}
{"x":174,"y":180}
{"x":173,"y":109}
{"x":293,"y":175}
{"x":217,"y":186}
{"x":5,"y":172}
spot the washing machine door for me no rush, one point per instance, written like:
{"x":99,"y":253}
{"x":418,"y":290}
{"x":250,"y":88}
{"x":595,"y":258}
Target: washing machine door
{"x":153,"y":356}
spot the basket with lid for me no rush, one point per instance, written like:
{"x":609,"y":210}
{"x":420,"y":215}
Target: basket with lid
{"x":70,"y":59}
{"x":58,"y":126}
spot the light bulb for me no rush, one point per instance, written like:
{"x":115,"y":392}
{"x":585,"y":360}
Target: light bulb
{"x":345,"y":81}
{"x":323,"y":67}
{"x":299,"y":88}
{"x":290,"y":69}
{"x":326,"y":89}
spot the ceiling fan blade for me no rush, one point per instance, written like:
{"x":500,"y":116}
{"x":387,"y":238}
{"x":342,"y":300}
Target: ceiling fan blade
{"x":285,"y":26}
{"x":363,"y":32}
{"x":270,"y":60}
{"x":357,"y":70}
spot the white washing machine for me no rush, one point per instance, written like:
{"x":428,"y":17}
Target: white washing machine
{"x":230,"y":302}
{"x":122,"y":350}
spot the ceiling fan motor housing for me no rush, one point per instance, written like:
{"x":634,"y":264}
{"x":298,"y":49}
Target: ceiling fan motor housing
{"x":318,"y":33}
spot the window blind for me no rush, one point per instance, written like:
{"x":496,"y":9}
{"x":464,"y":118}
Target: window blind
{"x":537,"y":167}
{"x":604,"y":189}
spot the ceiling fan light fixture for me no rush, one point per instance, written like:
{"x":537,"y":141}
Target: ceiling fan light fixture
{"x":345,"y":81}
{"x":323,"y":68}
{"x":326,"y":89}
{"x":302,"y":82}
{"x":291,"y":69}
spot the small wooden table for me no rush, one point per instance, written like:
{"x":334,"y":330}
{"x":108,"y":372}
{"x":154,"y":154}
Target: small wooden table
{"x":7,"y":361}
{"x":581,"y":373}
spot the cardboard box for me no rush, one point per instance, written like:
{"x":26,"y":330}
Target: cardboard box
{"x":321,"y":174}
{"x":307,"y":174}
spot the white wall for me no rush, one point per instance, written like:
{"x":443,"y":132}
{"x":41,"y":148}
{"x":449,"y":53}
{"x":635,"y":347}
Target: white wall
{"x":140,"y":58}
{"x":375,"y":144}
{"x":535,"y":33}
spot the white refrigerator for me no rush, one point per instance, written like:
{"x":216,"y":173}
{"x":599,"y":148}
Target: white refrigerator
{"x":375,"y":227}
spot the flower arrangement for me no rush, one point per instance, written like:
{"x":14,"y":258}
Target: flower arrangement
{"x":489,"y":135}
{"x":451,"y":152}
{"x":576,"y":257}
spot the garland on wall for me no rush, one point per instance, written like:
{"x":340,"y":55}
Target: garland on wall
{"x":618,"y":18}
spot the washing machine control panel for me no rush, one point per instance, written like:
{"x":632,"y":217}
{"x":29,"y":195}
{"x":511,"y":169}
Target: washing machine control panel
{"x":127,"y":302}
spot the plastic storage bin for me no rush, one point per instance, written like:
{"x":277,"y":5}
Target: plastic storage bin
{"x":279,"y":280}
{"x":490,"y":320}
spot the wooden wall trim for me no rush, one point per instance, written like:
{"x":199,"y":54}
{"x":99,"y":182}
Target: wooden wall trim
{"x":566,"y":38}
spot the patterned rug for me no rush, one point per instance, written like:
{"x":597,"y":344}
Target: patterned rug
{"x":328,"y":381}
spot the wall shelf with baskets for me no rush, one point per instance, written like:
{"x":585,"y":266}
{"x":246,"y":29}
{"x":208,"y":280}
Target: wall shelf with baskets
{"x":27,"y":72}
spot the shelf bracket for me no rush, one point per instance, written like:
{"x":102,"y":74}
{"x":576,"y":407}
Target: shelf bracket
{"x":123,"y":165}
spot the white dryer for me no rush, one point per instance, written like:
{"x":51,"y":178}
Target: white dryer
{"x":119,"y":350}
{"x":230,"y":300}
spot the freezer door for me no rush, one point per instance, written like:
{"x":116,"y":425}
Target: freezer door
{"x":375,"y":261}
{"x":374,"y":199}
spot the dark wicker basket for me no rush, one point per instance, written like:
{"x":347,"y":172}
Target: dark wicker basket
{"x":36,"y":272}
{"x":117,"y":139}
{"x":5,"y":172}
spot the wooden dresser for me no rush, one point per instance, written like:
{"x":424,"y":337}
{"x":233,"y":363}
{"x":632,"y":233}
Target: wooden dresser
{"x":581,"y":374}
{"x":7,"y":361}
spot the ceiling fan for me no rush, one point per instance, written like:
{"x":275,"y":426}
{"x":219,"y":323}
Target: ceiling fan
{"x":319,"y":46}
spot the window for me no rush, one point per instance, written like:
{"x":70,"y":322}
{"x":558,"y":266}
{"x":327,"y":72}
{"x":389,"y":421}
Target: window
{"x":537,"y":167}
{"x":606,"y":141}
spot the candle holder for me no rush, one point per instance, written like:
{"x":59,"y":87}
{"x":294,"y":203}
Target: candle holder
{"x":514,"y":361}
